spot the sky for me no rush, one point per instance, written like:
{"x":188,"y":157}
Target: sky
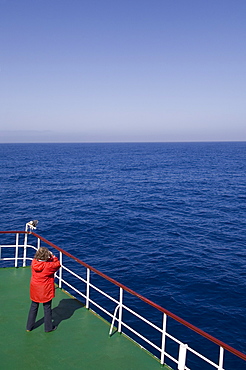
{"x":122,"y":70}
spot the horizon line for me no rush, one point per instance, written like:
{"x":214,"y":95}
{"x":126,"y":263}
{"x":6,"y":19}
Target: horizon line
{"x":124,"y":142}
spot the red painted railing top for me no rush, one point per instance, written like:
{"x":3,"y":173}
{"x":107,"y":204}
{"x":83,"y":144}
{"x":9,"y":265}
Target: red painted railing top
{"x":168,"y":313}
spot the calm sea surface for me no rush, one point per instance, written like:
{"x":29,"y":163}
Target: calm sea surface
{"x":166,"y":219}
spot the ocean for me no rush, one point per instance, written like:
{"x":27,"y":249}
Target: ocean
{"x":168,"y":220}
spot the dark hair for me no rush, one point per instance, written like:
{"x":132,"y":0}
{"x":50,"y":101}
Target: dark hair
{"x":43,"y":254}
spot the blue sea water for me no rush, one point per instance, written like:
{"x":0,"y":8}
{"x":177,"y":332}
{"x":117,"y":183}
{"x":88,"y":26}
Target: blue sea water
{"x":166,"y":219}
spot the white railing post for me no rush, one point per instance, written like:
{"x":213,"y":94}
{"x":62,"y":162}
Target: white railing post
{"x":221,"y":358}
{"x":38,"y":243}
{"x":182,"y":356}
{"x":24,"y":253}
{"x":163,"y":339}
{"x":120,"y":310}
{"x":87,"y":288}
{"x":16,"y":249}
{"x":60,"y":271}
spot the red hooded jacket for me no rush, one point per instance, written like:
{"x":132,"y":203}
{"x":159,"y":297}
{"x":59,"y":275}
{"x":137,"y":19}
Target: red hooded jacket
{"x":42,"y":288}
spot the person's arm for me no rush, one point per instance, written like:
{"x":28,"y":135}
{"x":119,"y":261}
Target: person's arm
{"x":54,"y":263}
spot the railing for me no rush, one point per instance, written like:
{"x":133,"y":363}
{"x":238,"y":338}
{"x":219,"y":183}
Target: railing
{"x":117,"y":316}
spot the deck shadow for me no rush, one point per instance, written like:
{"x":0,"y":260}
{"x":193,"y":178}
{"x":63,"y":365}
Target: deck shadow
{"x":63,"y":311}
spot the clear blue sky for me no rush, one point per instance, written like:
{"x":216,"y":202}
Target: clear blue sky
{"x":122,"y":70}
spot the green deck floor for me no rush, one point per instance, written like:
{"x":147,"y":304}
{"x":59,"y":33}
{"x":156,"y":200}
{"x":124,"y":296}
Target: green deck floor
{"x":81,"y":340}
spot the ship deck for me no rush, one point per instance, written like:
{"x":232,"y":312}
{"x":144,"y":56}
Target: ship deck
{"x":81,"y":340}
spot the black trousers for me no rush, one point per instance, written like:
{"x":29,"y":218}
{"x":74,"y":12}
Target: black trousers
{"x":48,"y":326}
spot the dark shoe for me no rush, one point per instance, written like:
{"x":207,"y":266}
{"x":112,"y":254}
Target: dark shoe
{"x":54,"y":328}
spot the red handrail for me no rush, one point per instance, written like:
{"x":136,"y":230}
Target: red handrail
{"x":14,"y":232}
{"x":168,"y":313}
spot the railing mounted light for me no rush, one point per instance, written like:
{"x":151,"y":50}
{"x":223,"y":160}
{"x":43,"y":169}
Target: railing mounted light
{"x":31,"y":225}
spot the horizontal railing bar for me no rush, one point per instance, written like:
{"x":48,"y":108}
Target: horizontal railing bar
{"x":72,"y":287}
{"x":158,"y":307}
{"x":101,"y":308}
{"x":14,"y":246}
{"x":105,"y":294}
{"x":141,"y":336}
{"x":73,"y":273}
{"x":173,"y":338}
{"x":91,"y":285}
{"x":202,"y":357}
{"x":142,"y":318}
{"x":173,"y":359}
{"x":13,"y":258}
{"x":84,"y":296}
{"x":10,"y":245}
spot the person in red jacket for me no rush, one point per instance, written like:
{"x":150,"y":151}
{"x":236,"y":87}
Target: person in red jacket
{"x":42,"y":288}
